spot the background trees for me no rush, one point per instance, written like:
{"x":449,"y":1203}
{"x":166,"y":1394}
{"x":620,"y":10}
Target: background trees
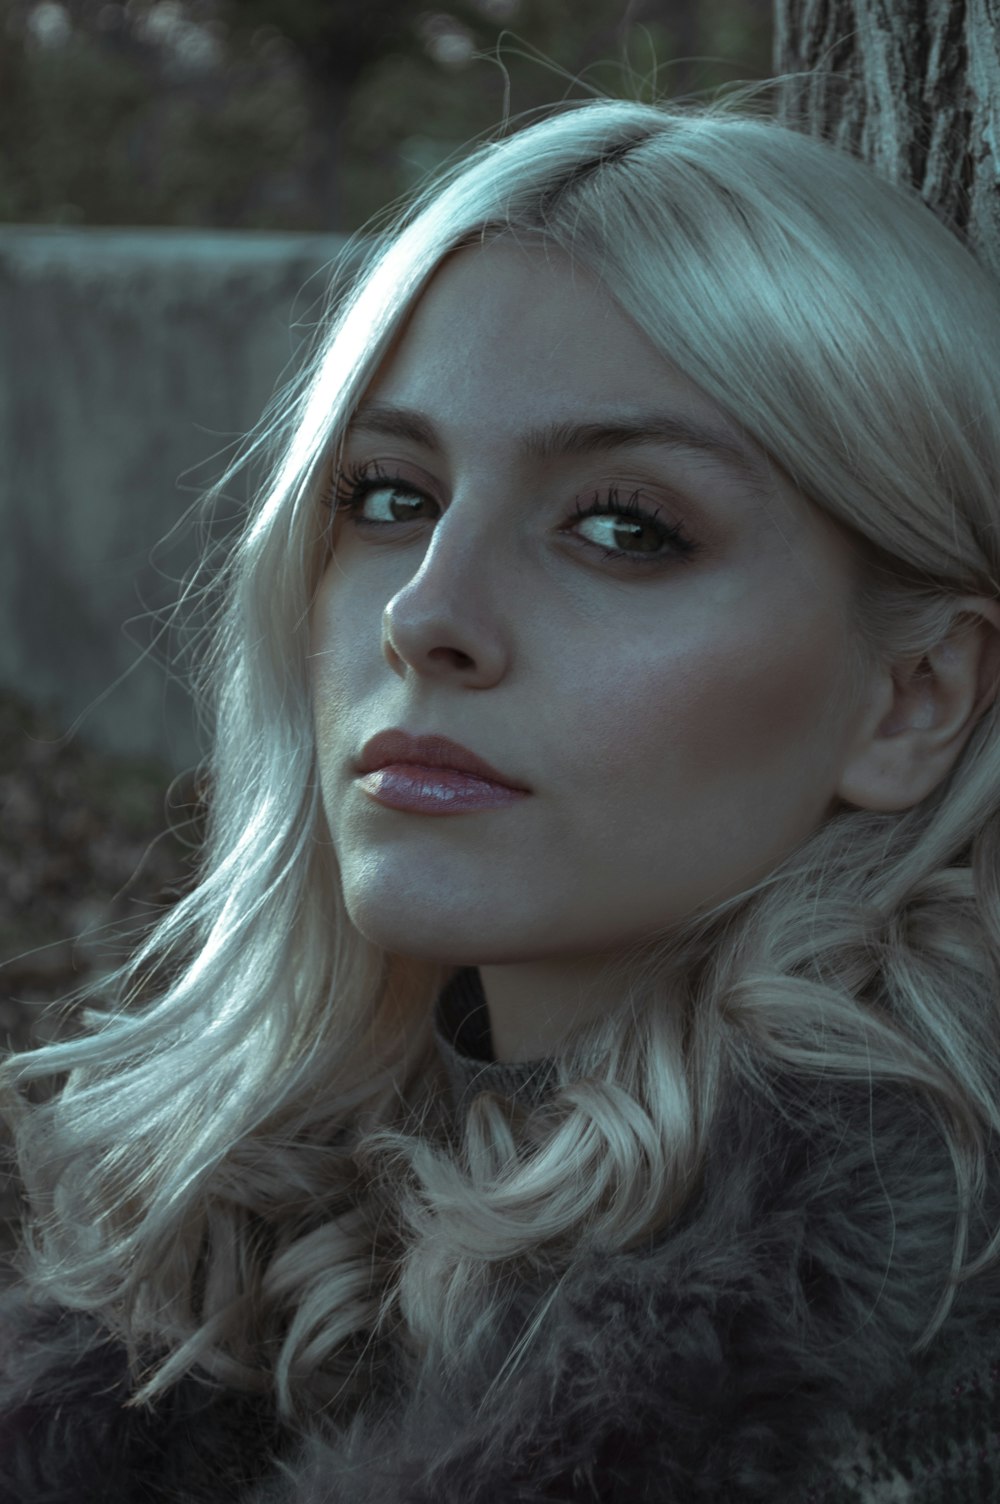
{"x":914,"y":89}
{"x":308,"y":114}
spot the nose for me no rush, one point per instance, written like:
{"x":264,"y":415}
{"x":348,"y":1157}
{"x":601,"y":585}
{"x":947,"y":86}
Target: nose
{"x":448,"y":618}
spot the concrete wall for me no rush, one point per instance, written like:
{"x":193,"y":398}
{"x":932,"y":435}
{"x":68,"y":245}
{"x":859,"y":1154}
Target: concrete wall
{"x":130,"y":360}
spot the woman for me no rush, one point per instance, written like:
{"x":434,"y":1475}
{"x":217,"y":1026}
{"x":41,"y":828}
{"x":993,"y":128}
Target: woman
{"x":616,"y":1125}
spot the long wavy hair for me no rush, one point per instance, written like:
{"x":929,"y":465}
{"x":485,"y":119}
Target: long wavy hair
{"x":250,"y":1170}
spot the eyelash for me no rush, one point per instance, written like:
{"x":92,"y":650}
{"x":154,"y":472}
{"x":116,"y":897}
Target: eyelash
{"x":354,"y":484}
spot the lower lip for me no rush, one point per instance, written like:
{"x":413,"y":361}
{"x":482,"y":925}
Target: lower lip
{"x":435,"y":791}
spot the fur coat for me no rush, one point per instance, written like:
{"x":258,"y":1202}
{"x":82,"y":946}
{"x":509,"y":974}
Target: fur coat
{"x":760,"y":1351}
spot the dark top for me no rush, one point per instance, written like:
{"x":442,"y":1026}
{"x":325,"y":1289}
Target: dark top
{"x":462,"y":1033}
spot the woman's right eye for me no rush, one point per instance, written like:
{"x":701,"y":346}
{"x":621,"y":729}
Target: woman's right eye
{"x":397,"y":500}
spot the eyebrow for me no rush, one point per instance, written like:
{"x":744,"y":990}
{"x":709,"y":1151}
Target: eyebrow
{"x":548,"y":440}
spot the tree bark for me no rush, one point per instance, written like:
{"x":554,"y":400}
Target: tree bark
{"x":913,"y":89}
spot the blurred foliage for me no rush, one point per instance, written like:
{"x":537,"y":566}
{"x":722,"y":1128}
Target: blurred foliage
{"x":92,"y":848}
{"x":312,"y":114}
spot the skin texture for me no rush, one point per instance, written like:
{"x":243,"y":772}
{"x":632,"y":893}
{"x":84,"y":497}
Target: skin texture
{"x":681,"y":727}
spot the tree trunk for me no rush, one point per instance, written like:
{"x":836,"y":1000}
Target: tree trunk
{"x":913,"y":89}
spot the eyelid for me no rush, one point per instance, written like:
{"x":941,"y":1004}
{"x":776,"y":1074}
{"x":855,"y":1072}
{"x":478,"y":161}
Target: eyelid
{"x":717,"y":505}
{"x":676,"y":543}
{"x":386,"y":465}
{"x":649,"y":478}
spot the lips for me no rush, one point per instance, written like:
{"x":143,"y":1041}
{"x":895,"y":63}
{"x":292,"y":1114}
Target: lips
{"x":396,"y":746}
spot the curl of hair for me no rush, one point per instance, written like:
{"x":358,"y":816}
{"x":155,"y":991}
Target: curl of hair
{"x":249,"y":1171}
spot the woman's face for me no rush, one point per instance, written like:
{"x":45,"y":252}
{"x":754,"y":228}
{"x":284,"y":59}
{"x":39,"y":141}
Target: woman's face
{"x":678,"y":717}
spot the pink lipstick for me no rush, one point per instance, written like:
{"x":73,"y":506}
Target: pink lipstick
{"x":435,"y":791}
{"x":432,"y":775}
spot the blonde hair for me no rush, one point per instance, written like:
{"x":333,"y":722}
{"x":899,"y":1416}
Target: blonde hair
{"x":250,"y":1170}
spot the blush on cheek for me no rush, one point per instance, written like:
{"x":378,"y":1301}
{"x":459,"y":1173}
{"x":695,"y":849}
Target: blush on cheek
{"x":746,"y":710}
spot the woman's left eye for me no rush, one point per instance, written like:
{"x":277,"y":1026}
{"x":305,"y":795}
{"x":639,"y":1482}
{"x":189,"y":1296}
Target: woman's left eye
{"x":629,"y":519}
{"x":624,"y":520}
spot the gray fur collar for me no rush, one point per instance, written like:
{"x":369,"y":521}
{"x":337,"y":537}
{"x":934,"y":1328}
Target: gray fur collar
{"x":723,"y":1364}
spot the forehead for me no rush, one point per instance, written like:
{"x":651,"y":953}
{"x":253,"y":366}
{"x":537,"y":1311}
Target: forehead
{"x":519,"y":347}
{"x":510,"y":345}
{"x":508,"y":339}
{"x":515,"y":316}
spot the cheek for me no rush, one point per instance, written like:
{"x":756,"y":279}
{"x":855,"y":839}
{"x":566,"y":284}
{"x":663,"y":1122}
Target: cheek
{"x":331,"y":653}
{"x":746,"y":710}
{"x":712,"y":762}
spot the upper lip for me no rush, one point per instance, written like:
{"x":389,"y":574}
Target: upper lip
{"x":429,"y":752}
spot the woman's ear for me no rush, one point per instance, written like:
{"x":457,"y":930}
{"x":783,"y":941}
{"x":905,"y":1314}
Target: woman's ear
{"x":919,"y":715}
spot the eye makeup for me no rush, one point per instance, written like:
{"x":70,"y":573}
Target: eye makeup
{"x":627,"y":519}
